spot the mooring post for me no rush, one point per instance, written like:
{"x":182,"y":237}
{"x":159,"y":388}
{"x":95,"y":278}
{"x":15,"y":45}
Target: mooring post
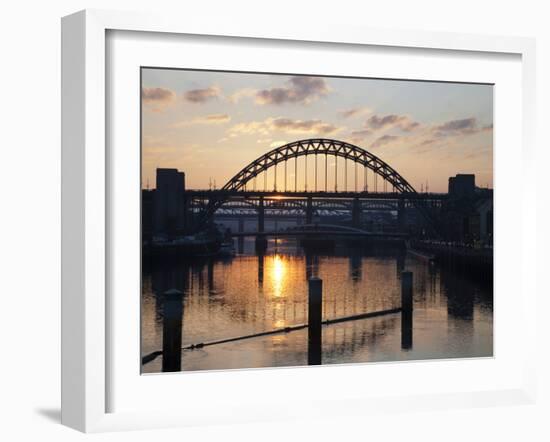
{"x":171,"y":333}
{"x":406,"y":310}
{"x":260,"y":269}
{"x":315,"y":313}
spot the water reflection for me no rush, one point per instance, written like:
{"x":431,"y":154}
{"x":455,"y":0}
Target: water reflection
{"x":253,"y":293}
{"x":278,"y":275}
{"x":355,"y":266}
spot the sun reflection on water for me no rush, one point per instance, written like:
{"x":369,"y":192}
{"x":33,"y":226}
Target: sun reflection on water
{"x":278,"y":271}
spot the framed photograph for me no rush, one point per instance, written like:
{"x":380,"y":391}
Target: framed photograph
{"x":254,"y":210}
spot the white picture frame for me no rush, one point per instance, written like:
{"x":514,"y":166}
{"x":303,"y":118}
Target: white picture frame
{"x":86,"y":352}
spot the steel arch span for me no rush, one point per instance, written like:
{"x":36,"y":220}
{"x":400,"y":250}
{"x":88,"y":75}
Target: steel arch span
{"x":319,"y":146}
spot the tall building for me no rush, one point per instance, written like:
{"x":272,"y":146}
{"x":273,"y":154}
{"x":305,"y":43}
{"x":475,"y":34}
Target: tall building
{"x":169,"y":203}
{"x":147,"y":210}
{"x":462,"y":185}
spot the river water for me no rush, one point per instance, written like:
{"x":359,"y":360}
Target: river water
{"x":250,"y":293}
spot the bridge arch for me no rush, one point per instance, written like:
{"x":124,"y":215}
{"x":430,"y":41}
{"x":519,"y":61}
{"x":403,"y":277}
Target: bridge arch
{"x":319,"y":146}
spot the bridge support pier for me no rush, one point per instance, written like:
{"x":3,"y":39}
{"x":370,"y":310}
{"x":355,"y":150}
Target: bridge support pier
{"x":406,"y":310}
{"x":401,"y":215}
{"x":171,"y":330}
{"x":261,"y":215}
{"x":309,"y":210}
{"x":356,"y":213}
{"x":261,"y":244}
{"x":261,"y":240}
{"x":240,"y":241}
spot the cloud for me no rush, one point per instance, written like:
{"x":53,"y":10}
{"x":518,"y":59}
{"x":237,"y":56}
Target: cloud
{"x":423,"y":138}
{"x":415,"y":137}
{"x":278,"y":143}
{"x":384,"y":139}
{"x":202,"y":95}
{"x":302,"y":90}
{"x":287,"y":125}
{"x":354,"y":112}
{"x":236,"y":96}
{"x":157,"y":98}
{"x":379,"y":123}
{"x":359,"y":135}
{"x":427,"y":142}
{"x":386,"y":122}
{"x":156,"y":94}
{"x":304,"y":126}
{"x":205,"y":119}
{"x":464,"y":126}
{"x":264,"y":140}
{"x":250,"y":127}
{"x":214,"y":119}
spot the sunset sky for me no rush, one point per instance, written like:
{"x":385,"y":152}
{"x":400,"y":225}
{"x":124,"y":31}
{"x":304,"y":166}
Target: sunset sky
{"x":212,"y":124}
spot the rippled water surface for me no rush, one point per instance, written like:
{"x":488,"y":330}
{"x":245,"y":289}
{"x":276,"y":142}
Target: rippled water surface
{"x":223,"y":298}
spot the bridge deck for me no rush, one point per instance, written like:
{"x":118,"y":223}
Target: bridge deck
{"x":315,"y":194}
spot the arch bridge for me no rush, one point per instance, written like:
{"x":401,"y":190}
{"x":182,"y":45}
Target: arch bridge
{"x":284,"y":173}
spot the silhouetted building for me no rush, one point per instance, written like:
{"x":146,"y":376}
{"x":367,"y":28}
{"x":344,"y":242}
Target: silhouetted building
{"x":462,"y":185}
{"x":169,"y":207}
{"x":484,"y":208}
{"x":147,"y":202}
{"x":467,"y":215}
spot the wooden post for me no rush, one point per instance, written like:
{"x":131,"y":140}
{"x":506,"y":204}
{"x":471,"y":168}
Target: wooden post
{"x":260,"y":269}
{"x":406,"y":310}
{"x":172,"y":328}
{"x":315,"y":313}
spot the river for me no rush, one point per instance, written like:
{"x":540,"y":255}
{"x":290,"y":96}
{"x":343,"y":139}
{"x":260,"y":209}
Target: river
{"x":250,"y":293}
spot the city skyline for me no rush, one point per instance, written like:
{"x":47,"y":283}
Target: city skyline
{"x":212,"y":124}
